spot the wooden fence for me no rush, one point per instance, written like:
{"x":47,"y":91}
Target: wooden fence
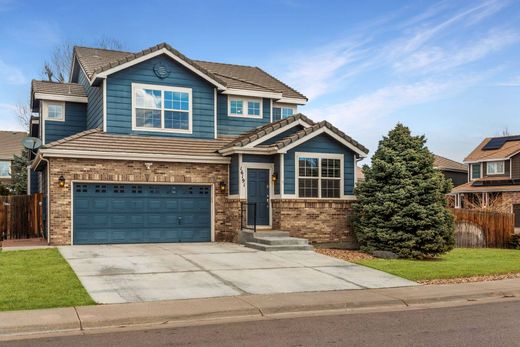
{"x":21,"y":216}
{"x":477,"y":228}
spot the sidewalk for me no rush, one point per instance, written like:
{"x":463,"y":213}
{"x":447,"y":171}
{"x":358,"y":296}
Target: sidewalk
{"x":246,"y":306}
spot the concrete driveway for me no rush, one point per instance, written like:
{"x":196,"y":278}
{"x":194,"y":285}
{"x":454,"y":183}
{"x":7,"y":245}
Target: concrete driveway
{"x":150,"y":272}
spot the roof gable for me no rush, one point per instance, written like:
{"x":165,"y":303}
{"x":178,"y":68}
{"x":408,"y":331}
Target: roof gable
{"x":253,"y":140}
{"x":507,"y":150}
{"x":97,"y":62}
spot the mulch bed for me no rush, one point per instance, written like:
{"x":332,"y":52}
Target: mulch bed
{"x":344,"y":254}
{"x":484,"y":278}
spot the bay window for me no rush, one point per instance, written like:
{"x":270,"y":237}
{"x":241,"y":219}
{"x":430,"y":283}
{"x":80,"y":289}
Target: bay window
{"x":319,"y":176}
{"x":162,"y":108}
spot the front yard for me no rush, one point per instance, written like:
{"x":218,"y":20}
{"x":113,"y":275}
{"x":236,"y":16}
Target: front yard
{"x":461,"y":263}
{"x":38,"y":279}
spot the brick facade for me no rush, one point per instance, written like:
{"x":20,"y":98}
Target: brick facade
{"x":323,"y":221}
{"x":97,"y":170}
{"x":320,"y":221}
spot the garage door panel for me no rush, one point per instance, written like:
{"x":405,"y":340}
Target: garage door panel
{"x":106,"y":213}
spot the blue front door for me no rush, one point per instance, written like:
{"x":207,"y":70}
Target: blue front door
{"x":139,"y":213}
{"x":258,"y":193}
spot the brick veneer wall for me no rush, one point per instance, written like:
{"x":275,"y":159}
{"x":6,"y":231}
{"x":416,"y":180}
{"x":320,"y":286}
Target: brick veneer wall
{"x":509,"y":199}
{"x":96,"y":170}
{"x":323,"y":221}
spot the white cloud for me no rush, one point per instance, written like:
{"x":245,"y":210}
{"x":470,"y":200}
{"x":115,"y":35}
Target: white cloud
{"x":436,"y":58}
{"x":438,"y":40}
{"x":11,"y":74}
{"x":368,"y":108}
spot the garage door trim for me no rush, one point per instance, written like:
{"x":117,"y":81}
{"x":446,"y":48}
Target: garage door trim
{"x":210,"y":185}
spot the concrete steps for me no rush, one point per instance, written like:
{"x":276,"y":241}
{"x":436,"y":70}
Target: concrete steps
{"x":273,"y":241}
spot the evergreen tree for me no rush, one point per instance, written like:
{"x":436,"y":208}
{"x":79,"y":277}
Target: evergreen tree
{"x":19,"y":173}
{"x":4,"y":190}
{"x":401,"y":205}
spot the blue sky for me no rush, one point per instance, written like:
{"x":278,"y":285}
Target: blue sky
{"x":447,"y":69}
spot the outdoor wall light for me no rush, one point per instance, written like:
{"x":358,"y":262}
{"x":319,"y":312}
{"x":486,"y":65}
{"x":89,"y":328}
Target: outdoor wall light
{"x":222,"y":186}
{"x":61,"y":181}
{"x":274,"y":177}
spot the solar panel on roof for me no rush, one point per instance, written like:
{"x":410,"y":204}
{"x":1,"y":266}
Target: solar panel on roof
{"x":498,"y":142}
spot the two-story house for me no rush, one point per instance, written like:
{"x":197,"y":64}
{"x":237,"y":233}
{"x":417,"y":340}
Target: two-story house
{"x":494,"y":177}
{"x":156,"y":147}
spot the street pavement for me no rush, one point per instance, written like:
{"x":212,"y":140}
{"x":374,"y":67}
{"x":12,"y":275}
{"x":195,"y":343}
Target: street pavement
{"x":492,"y":324}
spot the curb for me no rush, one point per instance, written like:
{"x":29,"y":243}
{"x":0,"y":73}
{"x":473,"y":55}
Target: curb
{"x":77,"y":319}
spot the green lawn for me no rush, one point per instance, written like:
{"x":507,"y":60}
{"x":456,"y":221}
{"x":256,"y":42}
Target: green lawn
{"x":461,"y":262}
{"x":38,"y":279}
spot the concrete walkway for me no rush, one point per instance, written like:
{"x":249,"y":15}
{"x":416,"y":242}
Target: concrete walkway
{"x":153,"y":272}
{"x":247,"y":307}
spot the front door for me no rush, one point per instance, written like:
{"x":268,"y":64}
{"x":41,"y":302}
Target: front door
{"x":258,"y":193}
{"x":516,"y":211}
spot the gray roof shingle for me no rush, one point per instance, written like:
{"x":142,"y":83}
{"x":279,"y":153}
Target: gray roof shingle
{"x":95,"y":140}
{"x":443,"y":163}
{"x":266,"y":129}
{"x":56,"y":88}
{"x":96,"y":60}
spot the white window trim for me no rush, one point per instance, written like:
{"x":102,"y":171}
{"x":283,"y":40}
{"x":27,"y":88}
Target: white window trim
{"x":318,"y":156}
{"x":10,"y":167}
{"x":162,"y":88}
{"x":46,"y":105}
{"x":498,"y":172}
{"x":245,"y":107}
{"x":294,"y":108}
{"x":471,"y":171}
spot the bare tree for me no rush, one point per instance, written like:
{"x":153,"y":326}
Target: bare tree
{"x":506,"y":132}
{"x":23,"y":114}
{"x":57,"y":68}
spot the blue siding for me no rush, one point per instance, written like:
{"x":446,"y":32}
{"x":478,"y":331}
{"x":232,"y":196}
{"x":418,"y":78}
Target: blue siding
{"x":319,"y":144}
{"x":95,"y":102}
{"x":33,"y":182}
{"x":234,"y":175}
{"x":277,"y":172}
{"x":283,"y":135}
{"x":119,"y":97}
{"x":255,"y":158}
{"x":75,"y":122}
{"x":239,"y":125}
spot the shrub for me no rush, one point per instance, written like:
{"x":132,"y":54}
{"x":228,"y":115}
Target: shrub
{"x":515,"y":241}
{"x":401,"y":205}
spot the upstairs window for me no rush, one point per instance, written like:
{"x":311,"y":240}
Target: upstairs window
{"x":5,"y":169}
{"x":55,"y":111}
{"x":319,"y":176}
{"x":495,"y":168}
{"x":282,"y":112}
{"x":245,"y":107}
{"x":162,"y":108}
{"x":475,"y":171}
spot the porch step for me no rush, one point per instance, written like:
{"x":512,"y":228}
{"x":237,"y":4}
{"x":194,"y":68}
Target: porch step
{"x":280,"y":241}
{"x":271,"y":248}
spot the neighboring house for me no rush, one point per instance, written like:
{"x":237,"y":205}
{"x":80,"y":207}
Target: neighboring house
{"x":452,"y":170}
{"x":10,"y":145}
{"x":494,"y":177}
{"x":156,"y":147}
